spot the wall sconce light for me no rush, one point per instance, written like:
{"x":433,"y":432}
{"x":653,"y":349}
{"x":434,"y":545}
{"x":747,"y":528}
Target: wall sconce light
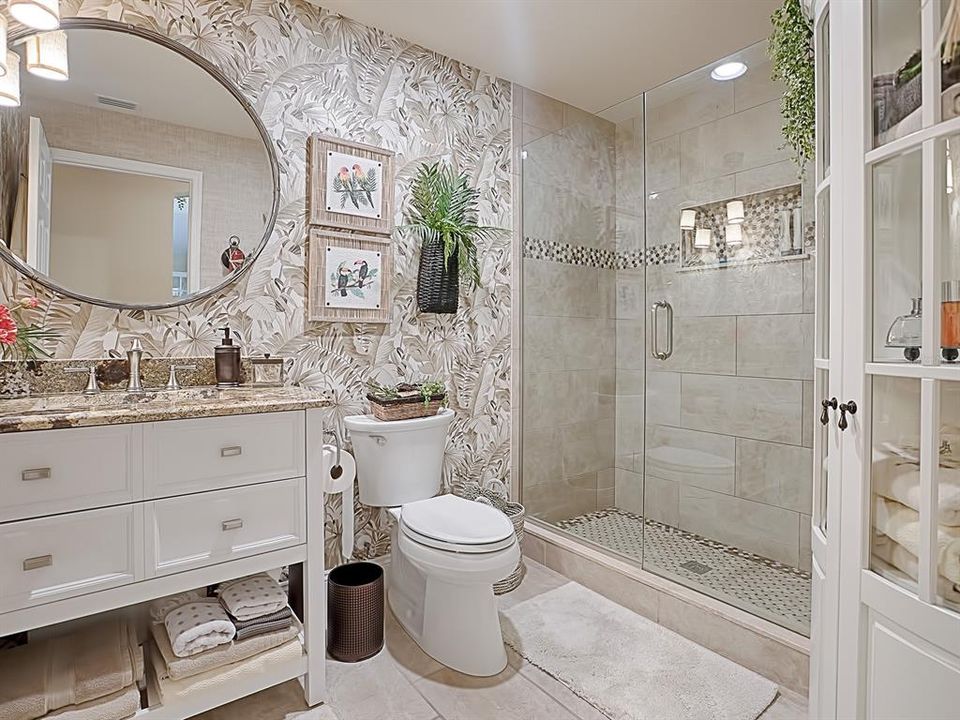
{"x":10,"y":83}
{"x":735,"y":211}
{"x":37,"y":14}
{"x":3,"y":45}
{"x":688,"y":219}
{"x":47,"y":55}
{"x":733,"y":236}
{"x":702,"y":238}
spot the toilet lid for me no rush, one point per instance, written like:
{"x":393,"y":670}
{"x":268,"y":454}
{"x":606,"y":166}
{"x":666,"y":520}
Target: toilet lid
{"x":453,"y":520}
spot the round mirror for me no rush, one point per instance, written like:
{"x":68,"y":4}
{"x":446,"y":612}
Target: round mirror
{"x":132,"y":174}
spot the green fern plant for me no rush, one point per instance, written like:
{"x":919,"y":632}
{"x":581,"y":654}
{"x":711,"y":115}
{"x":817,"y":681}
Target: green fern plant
{"x":791,"y":50}
{"x":443,"y":209}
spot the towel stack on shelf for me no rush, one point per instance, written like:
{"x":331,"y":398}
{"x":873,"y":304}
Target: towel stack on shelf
{"x":200,"y":643}
{"x":896,"y":516}
{"x":90,"y":674}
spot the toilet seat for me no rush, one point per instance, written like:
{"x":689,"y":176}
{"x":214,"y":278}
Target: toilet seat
{"x":453,"y":524}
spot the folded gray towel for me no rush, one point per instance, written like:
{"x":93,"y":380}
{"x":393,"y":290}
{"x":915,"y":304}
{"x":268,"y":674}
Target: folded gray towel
{"x":280,"y":620}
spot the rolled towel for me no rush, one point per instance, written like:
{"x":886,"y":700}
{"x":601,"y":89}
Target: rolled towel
{"x":252,"y":597}
{"x":902,"y":525}
{"x":899,"y":479}
{"x":92,"y":662}
{"x":159,"y":608}
{"x":174,"y":668}
{"x":898,"y":557}
{"x":198,"y":626}
{"x":280,"y":620}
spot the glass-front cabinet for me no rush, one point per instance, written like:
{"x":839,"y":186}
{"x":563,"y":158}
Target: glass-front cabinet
{"x":893,"y":140}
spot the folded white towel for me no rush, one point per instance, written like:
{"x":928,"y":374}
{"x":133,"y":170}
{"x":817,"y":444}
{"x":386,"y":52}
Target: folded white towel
{"x":902,"y":525}
{"x":252,"y":597}
{"x":898,"y":479}
{"x":198,"y":626}
{"x":899,"y":557}
{"x":160,"y":607}
{"x":119,"y":706}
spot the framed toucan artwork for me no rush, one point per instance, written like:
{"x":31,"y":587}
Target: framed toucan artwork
{"x":351,"y":185}
{"x":348,"y":277}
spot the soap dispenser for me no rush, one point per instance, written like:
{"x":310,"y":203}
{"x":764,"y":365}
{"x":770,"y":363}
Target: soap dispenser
{"x":227,"y":361}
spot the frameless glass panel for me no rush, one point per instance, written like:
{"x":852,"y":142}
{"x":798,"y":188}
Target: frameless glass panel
{"x":822,"y":349}
{"x":948,"y":497}
{"x":895,"y":479}
{"x":895,"y":55}
{"x":897,"y":303}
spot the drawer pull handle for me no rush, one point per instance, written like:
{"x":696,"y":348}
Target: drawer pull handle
{"x":231,"y":451}
{"x":35,"y":474}
{"x":35,"y":563}
{"x":231,"y":524}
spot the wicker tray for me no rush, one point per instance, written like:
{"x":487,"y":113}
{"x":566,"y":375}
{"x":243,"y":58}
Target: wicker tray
{"x":514,"y":511}
{"x":405,"y":408}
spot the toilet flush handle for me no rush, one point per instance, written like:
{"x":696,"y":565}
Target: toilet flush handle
{"x":381,"y":440}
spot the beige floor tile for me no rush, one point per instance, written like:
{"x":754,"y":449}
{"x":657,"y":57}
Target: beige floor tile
{"x":373,"y":690}
{"x":507,"y":696}
{"x":555,"y":689}
{"x":537,"y":580}
{"x":406,"y":655}
{"x":788,"y":706}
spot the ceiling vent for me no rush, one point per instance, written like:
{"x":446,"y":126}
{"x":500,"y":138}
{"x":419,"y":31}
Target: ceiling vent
{"x":116,"y":103}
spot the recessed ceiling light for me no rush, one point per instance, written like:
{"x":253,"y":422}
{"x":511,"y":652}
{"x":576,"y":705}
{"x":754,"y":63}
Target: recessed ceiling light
{"x":728,"y":71}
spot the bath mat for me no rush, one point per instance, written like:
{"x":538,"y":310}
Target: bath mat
{"x":627,"y":666}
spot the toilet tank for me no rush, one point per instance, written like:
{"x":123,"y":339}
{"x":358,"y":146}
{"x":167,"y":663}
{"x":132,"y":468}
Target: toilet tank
{"x":399,"y":461}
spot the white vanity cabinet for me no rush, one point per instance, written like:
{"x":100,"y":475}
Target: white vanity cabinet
{"x":98,"y":518}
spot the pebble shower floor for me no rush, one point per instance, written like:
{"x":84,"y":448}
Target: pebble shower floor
{"x":767,"y":588}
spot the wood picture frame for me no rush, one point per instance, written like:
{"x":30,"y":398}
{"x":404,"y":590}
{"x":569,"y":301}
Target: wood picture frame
{"x":351,"y":185}
{"x":343,"y":270}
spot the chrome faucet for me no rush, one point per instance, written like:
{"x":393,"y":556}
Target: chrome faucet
{"x":134,"y":355}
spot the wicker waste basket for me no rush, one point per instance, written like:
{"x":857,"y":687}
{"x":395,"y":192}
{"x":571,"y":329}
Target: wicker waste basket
{"x":494,"y":493}
{"x":355,"y":611}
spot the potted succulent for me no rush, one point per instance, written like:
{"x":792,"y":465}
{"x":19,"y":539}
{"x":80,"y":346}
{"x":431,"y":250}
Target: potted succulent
{"x":443,"y":215}
{"x":406,"y":400}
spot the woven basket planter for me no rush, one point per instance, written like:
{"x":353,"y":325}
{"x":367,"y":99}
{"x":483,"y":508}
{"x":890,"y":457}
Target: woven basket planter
{"x":438,"y":282}
{"x":516,"y":514}
{"x":409,"y":405}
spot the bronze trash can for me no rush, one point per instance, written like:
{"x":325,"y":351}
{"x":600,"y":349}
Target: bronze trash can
{"x":355,"y":611}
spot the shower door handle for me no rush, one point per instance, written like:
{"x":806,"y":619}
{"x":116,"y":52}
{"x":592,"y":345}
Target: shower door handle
{"x":655,"y":350}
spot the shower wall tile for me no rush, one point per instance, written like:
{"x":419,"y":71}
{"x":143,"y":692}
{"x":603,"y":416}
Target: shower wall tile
{"x":630,"y":416}
{"x":558,"y":289}
{"x":586,"y":447}
{"x":775,"y":474}
{"x":691,"y":102}
{"x":809,"y":414}
{"x":806,"y":553}
{"x":775,"y":346}
{"x":631,"y":344}
{"x":628,"y":494}
{"x":765,"y":177}
{"x":531,"y":133}
{"x":569,"y":215}
{"x":631,"y":300}
{"x":663,"y":164}
{"x":552,"y":399}
{"x":763,"y":529}
{"x":542,"y":111}
{"x":809,"y":285}
{"x":741,"y":141}
{"x":745,"y":407}
{"x":663,"y":398}
{"x":663,"y":211}
{"x":630,"y":169}
{"x":543,"y":348}
{"x":661,"y":500}
{"x":675,"y":454}
{"x":542,"y":464}
{"x":756,"y":87}
{"x":701,"y":345}
{"x":629,"y":231}
{"x":563,"y":498}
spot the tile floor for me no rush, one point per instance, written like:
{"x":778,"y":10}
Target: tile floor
{"x":403,"y":683}
{"x":764,"y":587}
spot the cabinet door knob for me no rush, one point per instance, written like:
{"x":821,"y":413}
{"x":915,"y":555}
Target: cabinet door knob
{"x":827,"y":405}
{"x":847,"y":407}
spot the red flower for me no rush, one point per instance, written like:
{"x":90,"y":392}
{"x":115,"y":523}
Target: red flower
{"x":8,"y":328}
{"x":29,"y":302}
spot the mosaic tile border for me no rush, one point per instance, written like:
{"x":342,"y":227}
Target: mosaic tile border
{"x":569,"y":254}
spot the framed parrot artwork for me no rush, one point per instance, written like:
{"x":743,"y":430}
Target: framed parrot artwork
{"x":351,"y":185}
{"x":349,"y":277}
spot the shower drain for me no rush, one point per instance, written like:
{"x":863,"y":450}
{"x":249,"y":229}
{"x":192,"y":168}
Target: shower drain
{"x":696,"y":567}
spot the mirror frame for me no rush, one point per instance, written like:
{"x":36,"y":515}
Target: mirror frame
{"x":76,"y":23}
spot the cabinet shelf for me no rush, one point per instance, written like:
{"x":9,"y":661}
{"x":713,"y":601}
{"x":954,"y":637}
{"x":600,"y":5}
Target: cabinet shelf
{"x":915,"y":370}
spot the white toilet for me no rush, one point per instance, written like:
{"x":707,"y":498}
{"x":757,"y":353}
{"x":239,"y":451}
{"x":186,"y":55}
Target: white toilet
{"x":447,"y":551}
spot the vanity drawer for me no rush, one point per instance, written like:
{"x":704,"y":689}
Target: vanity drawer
{"x":184,"y":456}
{"x":213,"y":527}
{"x":55,"y":471}
{"x":58,"y":557}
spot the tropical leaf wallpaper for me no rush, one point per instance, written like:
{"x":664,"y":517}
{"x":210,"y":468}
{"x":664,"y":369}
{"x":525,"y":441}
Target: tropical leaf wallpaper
{"x":307,"y":70}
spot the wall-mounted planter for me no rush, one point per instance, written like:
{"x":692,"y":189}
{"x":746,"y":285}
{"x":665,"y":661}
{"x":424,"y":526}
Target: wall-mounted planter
{"x":438,"y":283}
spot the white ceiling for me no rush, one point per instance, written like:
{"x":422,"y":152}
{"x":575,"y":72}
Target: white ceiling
{"x":589,"y":53}
{"x":164,"y":84}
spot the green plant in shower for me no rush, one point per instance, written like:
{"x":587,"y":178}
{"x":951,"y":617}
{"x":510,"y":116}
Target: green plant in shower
{"x":791,"y":50}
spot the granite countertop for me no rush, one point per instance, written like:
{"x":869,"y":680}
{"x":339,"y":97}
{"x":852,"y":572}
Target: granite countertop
{"x":45,"y":412}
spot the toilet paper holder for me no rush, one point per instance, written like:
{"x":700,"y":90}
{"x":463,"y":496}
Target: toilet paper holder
{"x":337,"y":470}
